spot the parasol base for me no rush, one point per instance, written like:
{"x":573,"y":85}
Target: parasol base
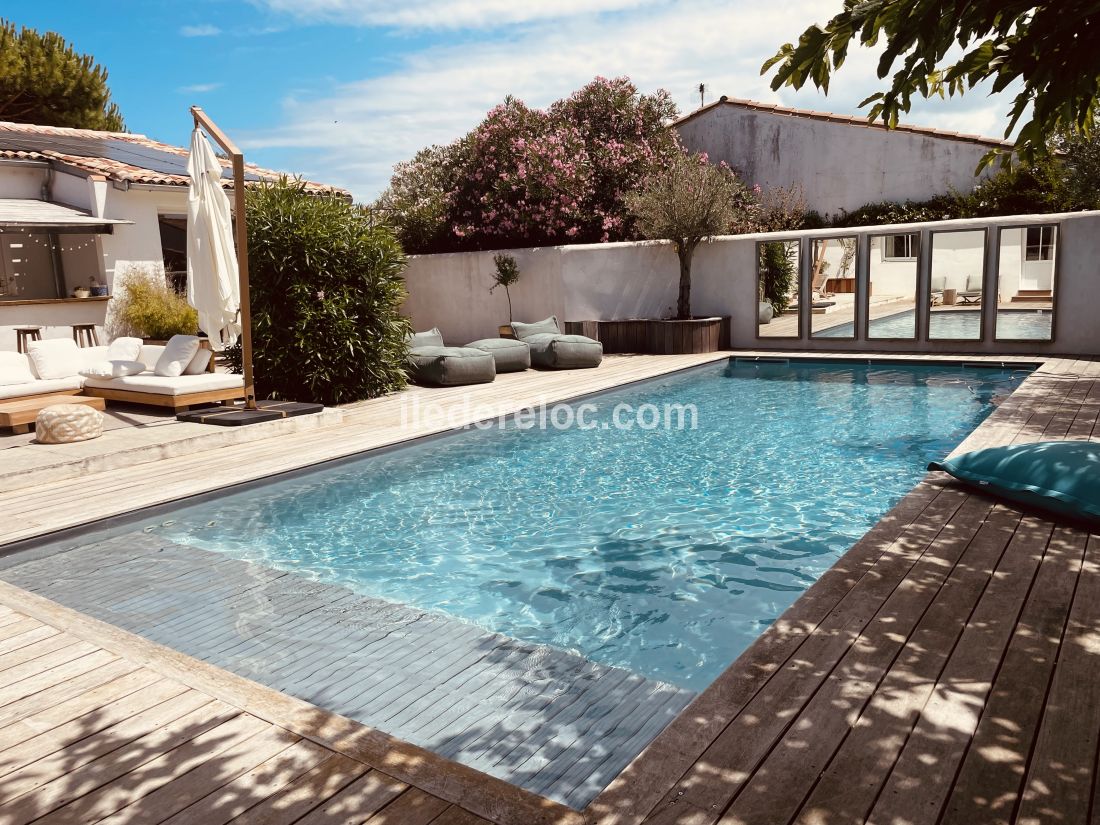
{"x":235,"y":415}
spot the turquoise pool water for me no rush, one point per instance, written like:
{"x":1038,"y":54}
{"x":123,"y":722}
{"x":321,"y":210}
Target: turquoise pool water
{"x":965,"y":324}
{"x":666,"y":551}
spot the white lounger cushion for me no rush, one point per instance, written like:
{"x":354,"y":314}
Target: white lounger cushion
{"x":169,"y":385}
{"x":41,"y":387}
{"x":199,"y":363}
{"x":177,"y":354}
{"x":113,"y":369}
{"x":124,"y":349}
{"x":55,"y":358}
{"x":15,"y":368}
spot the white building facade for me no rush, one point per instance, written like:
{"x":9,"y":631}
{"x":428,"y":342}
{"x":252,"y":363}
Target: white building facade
{"x":78,"y":210}
{"x":841,"y":163}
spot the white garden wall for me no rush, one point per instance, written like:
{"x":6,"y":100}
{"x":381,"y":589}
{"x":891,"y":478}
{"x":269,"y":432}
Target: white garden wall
{"x":623,"y":280}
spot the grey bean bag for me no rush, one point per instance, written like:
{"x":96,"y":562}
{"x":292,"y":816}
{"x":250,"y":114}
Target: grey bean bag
{"x":509,"y":355}
{"x":552,"y":350}
{"x":432,"y":363}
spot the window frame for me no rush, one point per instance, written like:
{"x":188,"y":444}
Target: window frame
{"x":1045,"y":247}
{"x":913,"y":243}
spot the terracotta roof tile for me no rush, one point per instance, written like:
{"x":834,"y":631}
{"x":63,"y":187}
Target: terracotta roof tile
{"x":119,"y":170}
{"x":850,"y":120}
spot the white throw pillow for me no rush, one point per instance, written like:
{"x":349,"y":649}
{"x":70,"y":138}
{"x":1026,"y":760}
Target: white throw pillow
{"x":199,"y":363}
{"x":124,"y":349}
{"x":55,"y":358}
{"x":113,"y":369}
{"x":177,"y":354}
{"x":14,"y":369}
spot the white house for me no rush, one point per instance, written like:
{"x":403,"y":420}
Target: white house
{"x":77,"y":209}
{"x":841,"y":162}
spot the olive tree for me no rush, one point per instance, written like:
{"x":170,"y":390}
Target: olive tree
{"x":687,"y":202}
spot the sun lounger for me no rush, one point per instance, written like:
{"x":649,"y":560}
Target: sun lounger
{"x":973,"y":292}
{"x":552,"y":350}
{"x":939,"y":284}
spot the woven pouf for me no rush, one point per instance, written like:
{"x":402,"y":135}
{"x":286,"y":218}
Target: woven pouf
{"x":66,"y":423}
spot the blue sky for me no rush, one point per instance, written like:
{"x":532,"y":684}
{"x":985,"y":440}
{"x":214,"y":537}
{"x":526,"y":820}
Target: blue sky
{"x":340,"y":90}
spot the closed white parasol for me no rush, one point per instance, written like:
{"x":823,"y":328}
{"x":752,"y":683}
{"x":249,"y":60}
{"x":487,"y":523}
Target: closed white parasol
{"x":213,"y":286}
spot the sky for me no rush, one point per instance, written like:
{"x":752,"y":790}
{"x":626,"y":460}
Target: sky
{"x":340,"y":90}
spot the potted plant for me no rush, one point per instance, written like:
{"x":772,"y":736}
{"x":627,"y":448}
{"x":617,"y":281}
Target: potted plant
{"x":764,"y":310}
{"x":505,"y":274}
{"x":687,"y":202}
{"x":146,"y":306}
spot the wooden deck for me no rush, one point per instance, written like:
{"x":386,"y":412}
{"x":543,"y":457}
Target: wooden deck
{"x":99,"y":727}
{"x":943,"y":671}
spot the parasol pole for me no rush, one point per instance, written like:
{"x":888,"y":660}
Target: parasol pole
{"x":237,"y":157}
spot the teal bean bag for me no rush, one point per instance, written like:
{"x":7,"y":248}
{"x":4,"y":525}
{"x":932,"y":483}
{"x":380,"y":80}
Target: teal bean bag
{"x":509,"y":354}
{"x":430,"y":362}
{"x":1058,"y":477}
{"x":552,"y":350}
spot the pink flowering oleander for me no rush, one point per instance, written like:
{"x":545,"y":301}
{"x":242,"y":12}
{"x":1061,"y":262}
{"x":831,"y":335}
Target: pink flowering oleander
{"x":544,"y":176}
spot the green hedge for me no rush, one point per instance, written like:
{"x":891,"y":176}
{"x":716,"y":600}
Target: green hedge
{"x":326,"y":289}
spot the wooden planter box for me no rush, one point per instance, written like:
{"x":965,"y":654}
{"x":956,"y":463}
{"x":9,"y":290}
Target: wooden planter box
{"x":695,"y":335}
{"x":642,"y":335}
{"x":624,"y":336}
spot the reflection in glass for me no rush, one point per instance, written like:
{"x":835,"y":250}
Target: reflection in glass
{"x":777,"y":287}
{"x":957,"y":285}
{"x":1025,"y":283}
{"x":892,"y":286}
{"x":833,"y":281}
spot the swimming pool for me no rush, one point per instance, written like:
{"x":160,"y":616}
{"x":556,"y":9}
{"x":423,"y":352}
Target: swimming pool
{"x":663,"y":551}
{"x":965,"y":324}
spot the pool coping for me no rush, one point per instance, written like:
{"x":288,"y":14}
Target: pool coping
{"x":637,"y":790}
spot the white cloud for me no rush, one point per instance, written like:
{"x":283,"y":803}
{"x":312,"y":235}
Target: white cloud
{"x":353,"y":134}
{"x":202,"y":30}
{"x":200,"y":88}
{"x":436,"y":14}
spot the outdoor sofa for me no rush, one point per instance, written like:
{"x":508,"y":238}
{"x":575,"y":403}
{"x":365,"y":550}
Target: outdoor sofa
{"x":433,"y":363}
{"x":552,"y":350}
{"x":127,"y":370}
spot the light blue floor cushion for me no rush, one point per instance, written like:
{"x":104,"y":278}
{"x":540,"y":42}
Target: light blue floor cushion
{"x":1058,"y":477}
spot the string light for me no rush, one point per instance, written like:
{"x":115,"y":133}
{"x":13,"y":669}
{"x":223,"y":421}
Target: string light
{"x":35,"y":240}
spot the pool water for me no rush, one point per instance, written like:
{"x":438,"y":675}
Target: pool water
{"x":666,"y":551}
{"x":1027,"y":325}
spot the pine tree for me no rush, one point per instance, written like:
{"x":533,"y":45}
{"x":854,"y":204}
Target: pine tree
{"x":44,"y":80}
